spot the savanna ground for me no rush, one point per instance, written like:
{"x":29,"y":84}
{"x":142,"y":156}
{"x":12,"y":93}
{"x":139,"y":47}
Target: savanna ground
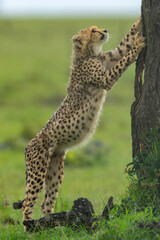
{"x":35,"y":58}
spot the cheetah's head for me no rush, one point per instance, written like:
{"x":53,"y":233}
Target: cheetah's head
{"x":89,"y":41}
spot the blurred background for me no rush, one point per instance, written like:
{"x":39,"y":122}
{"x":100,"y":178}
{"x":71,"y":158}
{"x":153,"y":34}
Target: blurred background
{"x":35,"y":58}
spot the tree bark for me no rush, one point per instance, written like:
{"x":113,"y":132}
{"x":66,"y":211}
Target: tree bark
{"x":145,"y":111}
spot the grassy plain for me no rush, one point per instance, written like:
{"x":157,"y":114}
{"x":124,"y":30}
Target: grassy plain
{"x":35,"y":58}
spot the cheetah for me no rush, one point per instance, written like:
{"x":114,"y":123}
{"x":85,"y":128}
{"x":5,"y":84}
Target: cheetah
{"x":93,"y":73}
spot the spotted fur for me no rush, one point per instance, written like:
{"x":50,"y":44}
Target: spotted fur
{"x":92,"y":73}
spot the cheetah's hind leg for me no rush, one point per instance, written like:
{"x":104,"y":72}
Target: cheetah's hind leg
{"x":53,"y":179}
{"x":37,"y":162}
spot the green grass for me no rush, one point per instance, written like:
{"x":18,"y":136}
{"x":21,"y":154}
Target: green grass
{"x":35,"y":57}
{"x":128,"y":226}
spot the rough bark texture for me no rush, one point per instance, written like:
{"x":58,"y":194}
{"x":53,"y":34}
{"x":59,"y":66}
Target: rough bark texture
{"x":145,"y":111}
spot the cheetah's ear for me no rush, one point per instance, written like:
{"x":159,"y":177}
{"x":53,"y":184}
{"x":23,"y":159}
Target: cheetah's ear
{"x":77,"y":41}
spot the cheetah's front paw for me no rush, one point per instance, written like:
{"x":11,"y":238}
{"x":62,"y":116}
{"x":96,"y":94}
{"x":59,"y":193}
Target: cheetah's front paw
{"x":138,"y":24}
{"x":140,"y":42}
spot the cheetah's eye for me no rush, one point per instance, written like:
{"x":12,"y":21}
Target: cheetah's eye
{"x":93,"y":31}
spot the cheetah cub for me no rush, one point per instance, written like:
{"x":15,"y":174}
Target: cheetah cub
{"x":93,"y":73}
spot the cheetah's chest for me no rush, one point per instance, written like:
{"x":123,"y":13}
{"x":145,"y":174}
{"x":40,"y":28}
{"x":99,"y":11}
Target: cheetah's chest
{"x":88,"y":118}
{"x":95,"y":106}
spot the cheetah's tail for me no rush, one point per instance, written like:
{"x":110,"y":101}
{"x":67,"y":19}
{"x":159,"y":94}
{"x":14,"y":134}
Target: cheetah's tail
{"x":18,"y":205}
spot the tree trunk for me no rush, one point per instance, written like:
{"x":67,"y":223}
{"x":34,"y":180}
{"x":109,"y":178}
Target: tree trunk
{"x":145,"y":111}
